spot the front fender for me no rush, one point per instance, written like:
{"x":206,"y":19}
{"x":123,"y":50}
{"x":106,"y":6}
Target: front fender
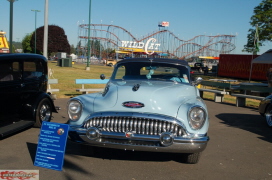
{"x":264,"y":104}
{"x":87,"y":102}
{"x":31,"y":103}
{"x":182,"y":115}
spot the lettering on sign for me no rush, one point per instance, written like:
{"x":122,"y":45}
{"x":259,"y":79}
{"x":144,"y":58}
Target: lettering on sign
{"x":149,"y":45}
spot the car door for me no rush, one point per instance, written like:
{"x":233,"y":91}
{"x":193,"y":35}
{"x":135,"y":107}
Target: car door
{"x":10,"y":88}
{"x":33,"y":76}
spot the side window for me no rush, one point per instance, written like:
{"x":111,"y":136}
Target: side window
{"x":120,"y":73}
{"x":9,"y":71}
{"x":32,"y":70}
{"x":16,"y":71}
{"x":143,"y":71}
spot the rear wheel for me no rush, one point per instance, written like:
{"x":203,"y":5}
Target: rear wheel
{"x":43,"y":112}
{"x":192,"y":158}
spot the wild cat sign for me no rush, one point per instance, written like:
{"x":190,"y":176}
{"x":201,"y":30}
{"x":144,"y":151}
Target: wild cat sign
{"x":149,"y":47}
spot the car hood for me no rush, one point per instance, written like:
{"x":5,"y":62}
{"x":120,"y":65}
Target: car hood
{"x":155,"y":96}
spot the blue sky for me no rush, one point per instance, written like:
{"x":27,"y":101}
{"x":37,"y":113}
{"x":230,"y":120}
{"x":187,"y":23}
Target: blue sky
{"x":188,"y":18}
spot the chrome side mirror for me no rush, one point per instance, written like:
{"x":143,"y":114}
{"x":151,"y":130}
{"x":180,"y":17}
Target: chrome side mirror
{"x":197,"y":80}
{"x":102,"y":76}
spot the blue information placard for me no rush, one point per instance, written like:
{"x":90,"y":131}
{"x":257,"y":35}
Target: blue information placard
{"x":51,"y":145}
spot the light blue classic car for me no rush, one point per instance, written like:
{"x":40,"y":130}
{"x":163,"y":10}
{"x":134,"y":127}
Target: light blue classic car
{"x":147,"y":105}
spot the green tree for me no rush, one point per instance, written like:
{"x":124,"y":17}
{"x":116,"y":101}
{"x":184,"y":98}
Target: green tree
{"x":78,"y":48}
{"x":109,"y":53}
{"x":26,"y":43}
{"x":13,"y":47}
{"x":96,"y":48}
{"x":262,"y":19}
{"x":17,"y":45}
{"x":72,"y":49}
{"x":95,"y":45}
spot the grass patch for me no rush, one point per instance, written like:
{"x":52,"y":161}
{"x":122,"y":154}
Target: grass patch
{"x":66,"y":77}
{"x":232,"y":100}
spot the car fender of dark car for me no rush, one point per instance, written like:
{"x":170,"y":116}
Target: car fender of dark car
{"x":30,"y":105}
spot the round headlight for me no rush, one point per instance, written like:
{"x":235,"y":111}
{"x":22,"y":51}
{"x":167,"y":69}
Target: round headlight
{"x":74,"y":110}
{"x":197,"y":117}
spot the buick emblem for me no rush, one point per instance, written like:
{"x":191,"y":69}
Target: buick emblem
{"x":132,"y":104}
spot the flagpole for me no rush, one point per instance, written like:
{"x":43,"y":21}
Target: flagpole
{"x":256,"y":49}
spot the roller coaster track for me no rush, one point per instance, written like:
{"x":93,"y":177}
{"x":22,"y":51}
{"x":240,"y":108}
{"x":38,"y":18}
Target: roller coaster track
{"x":83,"y":25}
{"x":174,"y":45}
{"x":102,"y":31}
{"x":197,"y":52}
{"x":100,"y":38}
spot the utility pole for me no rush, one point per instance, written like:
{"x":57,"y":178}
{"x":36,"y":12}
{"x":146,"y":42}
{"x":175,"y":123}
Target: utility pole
{"x":45,"y":35}
{"x":35,"y":27}
{"x":89,"y":39}
{"x":11,"y":24}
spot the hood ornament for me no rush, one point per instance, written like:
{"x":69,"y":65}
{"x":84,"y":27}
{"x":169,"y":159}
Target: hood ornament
{"x":136,"y":87}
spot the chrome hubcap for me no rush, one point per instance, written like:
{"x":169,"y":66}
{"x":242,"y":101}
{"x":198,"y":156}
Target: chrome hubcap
{"x":45,"y":112}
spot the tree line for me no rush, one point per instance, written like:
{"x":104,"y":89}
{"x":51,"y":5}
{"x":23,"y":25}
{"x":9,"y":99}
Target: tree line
{"x":58,"y":42}
{"x":261,"y":31}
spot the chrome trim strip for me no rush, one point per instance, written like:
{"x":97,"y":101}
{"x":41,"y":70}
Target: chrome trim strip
{"x":179,"y":139}
{"x":181,"y":145}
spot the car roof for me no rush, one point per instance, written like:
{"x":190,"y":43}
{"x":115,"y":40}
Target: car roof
{"x":156,"y":60}
{"x":4,"y":56}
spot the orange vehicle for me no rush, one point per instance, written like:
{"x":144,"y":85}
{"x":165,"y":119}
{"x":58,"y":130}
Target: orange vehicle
{"x":4,"y":47}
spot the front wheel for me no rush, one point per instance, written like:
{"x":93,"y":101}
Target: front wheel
{"x":268,"y":115}
{"x":43,"y":112}
{"x":192,"y":158}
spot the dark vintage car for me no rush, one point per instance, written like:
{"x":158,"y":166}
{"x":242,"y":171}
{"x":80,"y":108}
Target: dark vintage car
{"x":265,"y":109}
{"x":147,"y":105}
{"x":23,"y":85}
{"x":200,"y":67}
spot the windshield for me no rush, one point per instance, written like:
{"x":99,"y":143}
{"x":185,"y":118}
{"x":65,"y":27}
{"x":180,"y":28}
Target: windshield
{"x":151,"y":71}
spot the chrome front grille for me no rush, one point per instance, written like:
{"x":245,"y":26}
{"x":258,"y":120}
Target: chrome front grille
{"x":138,"y":125}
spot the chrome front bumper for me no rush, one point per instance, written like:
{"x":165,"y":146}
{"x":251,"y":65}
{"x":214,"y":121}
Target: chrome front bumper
{"x":140,"y":142}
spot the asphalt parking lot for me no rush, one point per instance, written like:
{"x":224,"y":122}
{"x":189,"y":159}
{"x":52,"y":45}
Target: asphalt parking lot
{"x":239,"y":148}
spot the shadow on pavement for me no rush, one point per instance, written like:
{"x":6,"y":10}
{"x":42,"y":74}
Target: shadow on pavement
{"x":119,"y":154}
{"x":32,"y":148}
{"x":109,"y":154}
{"x":249,"y":122}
